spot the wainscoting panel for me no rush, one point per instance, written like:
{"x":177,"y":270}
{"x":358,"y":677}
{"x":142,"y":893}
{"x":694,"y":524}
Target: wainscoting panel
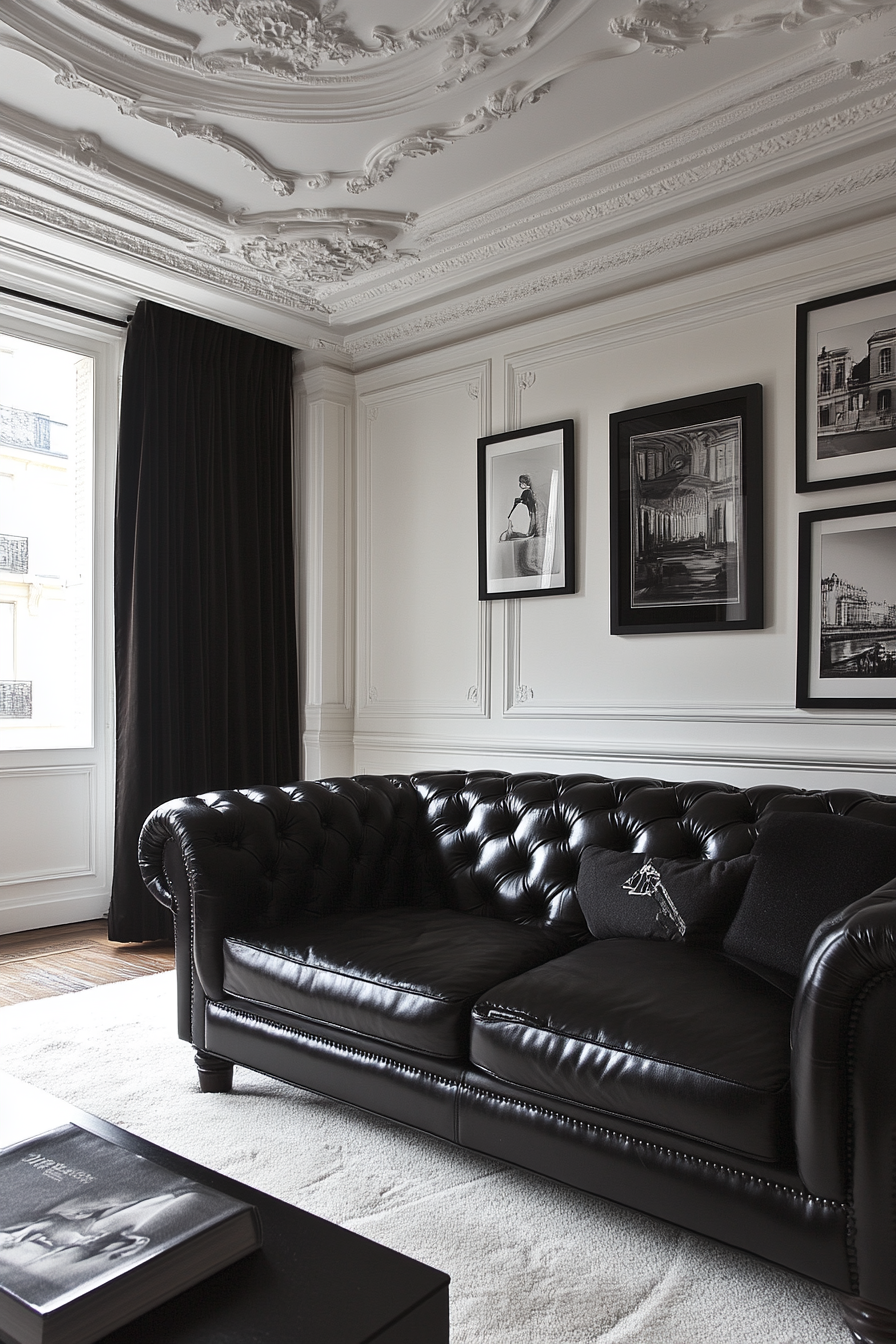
{"x":423,"y":635}
{"x":46,"y":824}
{"x":565,"y":694}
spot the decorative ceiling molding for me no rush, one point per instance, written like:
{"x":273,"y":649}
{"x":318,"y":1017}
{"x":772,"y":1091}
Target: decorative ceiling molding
{"x":686,"y":176}
{"x":677,"y":155}
{"x":380,"y":165}
{"x":552,"y":283}
{"x":314,"y":260}
{"x":143,"y":32}
{"x":317,"y":247}
{"x":578,"y":170}
{"x":314,"y":247}
{"x":214,"y":271}
{"x":313,"y":33}
{"x":292,"y":39}
{"x":33,"y":142}
{"x":311,"y":247}
{"x":669,"y":27}
{"x":302,"y":63}
{"x":284,"y":184}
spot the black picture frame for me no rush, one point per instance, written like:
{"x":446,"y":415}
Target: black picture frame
{"x":847,"y":561}
{"x":686,"y":516}
{"x":527,"y":532}
{"x":846,"y":389}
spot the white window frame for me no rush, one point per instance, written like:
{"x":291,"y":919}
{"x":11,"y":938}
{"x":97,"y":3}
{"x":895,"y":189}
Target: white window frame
{"x":63,"y":890}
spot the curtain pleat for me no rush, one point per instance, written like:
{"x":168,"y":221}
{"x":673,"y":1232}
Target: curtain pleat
{"x":205,"y":633}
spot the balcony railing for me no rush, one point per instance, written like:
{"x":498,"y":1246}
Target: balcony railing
{"x":25,"y":429}
{"x":15,"y":699}
{"x":13,"y":554}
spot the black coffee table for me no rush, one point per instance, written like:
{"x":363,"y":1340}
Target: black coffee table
{"x":312,"y":1282}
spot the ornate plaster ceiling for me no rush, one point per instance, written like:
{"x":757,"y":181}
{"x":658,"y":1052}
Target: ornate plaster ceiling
{"x":386,"y":169}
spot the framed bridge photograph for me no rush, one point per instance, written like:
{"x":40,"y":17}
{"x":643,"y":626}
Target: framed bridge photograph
{"x":846,"y":630}
{"x":846,"y":389}
{"x":686,"y":514}
{"x":527,"y":512}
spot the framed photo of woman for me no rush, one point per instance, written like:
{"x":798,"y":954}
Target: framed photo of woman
{"x":527,"y":512}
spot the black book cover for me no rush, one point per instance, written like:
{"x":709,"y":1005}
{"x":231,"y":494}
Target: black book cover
{"x":77,"y":1213}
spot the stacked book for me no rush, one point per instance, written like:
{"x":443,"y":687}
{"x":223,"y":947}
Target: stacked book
{"x":92,"y":1236}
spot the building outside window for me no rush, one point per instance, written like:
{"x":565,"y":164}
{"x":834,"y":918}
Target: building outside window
{"x":46,"y":468}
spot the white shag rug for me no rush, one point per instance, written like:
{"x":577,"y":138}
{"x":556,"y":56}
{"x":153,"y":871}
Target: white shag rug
{"x":531,"y":1262}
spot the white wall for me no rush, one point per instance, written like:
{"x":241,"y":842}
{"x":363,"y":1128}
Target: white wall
{"x":440,"y":679}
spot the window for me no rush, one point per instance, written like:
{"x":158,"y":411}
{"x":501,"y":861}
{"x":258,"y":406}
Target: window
{"x":839,"y":374}
{"x":885,"y":362}
{"x":46,"y":535}
{"x":58,"y":423}
{"x":824,"y":378}
{"x":883,"y":402}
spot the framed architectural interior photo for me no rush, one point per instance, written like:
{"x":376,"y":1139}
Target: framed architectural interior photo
{"x":846,"y":389}
{"x":686,"y":514}
{"x":846,"y":631}
{"x":527,"y":512}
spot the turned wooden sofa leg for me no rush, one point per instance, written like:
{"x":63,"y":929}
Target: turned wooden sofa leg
{"x":215,"y":1075}
{"x":869,"y":1324}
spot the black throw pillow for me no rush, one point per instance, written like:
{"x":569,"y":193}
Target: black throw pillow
{"x":808,"y":864}
{"x":626,"y":895}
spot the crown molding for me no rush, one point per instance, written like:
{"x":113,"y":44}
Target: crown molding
{"x":769,"y":153}
{"x":313,"y":247}
{"x":793,"y":142}
{"x":75,"y":224}
{"x":30,"y":142}
{"x":719,"y":233}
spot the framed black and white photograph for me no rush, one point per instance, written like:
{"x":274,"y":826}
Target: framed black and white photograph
{"x":686,"y":514}
{"x":527,"y":512}
{"x":846,"y":632}
{"x":846,"y":389}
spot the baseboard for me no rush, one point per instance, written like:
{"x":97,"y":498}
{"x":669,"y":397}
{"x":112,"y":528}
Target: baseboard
{"x":22,"y":915}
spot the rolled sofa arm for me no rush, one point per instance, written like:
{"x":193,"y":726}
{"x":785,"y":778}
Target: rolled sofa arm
{"x":844,"y":1079}
{"x":239,"y":859}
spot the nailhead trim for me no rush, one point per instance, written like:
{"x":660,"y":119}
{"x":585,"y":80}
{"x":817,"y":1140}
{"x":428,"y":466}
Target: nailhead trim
{"x":655,"y":1147}
{"x":852,"y":1253}
{"x":337,"y":1045}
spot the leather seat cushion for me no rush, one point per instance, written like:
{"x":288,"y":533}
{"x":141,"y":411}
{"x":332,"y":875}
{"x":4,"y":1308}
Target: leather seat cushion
{"x":405,"y":976}
{"x":677,"y":1036}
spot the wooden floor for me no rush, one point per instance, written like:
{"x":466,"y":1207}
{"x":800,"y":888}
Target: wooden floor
{"x":46,"y":962}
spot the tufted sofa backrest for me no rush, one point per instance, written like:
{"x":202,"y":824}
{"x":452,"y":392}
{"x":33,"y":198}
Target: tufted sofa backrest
{"x":506,"y":845}
{"x":510,"y":844}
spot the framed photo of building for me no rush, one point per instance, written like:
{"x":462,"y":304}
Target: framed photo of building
{"x":846,"y":389}
{"x":686,"y":514}
{"x":846,"y":631}
{"x":527,"y":512}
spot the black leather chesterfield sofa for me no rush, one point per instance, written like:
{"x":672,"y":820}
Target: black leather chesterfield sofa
{"x":416,"y":946}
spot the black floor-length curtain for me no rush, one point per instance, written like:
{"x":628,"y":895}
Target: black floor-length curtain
{"x":205,"y":632}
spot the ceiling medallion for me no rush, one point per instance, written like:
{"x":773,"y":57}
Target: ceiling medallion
{"x":294,"y":38}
